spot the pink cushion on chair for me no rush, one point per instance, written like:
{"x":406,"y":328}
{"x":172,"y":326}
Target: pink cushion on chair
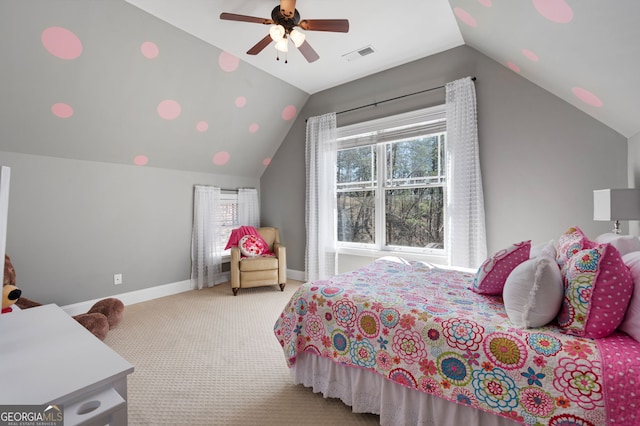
{"x":252,"y":245}
{"x":494,"y":271}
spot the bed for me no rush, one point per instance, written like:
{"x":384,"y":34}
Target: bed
{"x":419,"y":344}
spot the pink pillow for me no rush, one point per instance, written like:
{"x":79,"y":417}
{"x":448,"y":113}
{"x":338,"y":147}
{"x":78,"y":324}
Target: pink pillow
{"x":494,"y":271}
{"x":571,"y":242}
{"x":597,"y":291}
{"x":631,"y":322}
{"x":252,"y":245}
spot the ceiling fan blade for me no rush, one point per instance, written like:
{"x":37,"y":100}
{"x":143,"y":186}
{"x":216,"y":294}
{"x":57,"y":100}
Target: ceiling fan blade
{"x":260,"y":45}
{"x":245,"y":18}
{"x":334,"y":25}
{"x":307,"y":51}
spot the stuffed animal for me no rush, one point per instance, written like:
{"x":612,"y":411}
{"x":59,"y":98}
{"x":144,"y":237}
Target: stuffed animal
{"x":103,"y":315}
{"x":10,"y":294}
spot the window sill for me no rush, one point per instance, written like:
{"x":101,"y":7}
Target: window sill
{"x":434,"y":258}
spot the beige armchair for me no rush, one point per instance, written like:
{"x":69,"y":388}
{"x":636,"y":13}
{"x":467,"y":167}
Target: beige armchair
{"x":260,"y":270}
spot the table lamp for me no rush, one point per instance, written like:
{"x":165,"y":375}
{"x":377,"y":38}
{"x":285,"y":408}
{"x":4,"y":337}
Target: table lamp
{"x":616,"y":205}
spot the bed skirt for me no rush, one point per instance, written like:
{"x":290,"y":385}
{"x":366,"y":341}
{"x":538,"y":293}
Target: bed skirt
{"x":368,"y":392}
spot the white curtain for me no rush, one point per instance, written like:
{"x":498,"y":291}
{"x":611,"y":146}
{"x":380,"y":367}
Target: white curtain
{"x":206,"y":249}
{"x":248,"y":207}
{"x":465,"y":239}
{"x":320,"y":216}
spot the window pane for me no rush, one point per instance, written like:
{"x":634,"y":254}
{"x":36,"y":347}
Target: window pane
{"x":415,"y":161}
{"x":414,"y":217}
{"x":356,"y":217}
{"x":356,"y":165}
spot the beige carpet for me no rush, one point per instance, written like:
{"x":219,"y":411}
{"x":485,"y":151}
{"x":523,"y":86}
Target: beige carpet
{"x":205,"y":357}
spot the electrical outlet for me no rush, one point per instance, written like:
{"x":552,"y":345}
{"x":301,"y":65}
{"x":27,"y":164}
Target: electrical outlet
{"x":117,"y":279}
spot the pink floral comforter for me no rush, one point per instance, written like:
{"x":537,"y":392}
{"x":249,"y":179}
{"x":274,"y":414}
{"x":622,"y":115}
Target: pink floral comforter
{"x":424,"y":328}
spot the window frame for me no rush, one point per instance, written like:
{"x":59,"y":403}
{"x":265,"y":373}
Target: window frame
{"x":228,"y":198}
{"x":428,"y":121}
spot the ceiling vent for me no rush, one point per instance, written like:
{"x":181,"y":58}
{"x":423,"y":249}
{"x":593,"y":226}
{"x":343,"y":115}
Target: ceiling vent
{"x":357,"y":54}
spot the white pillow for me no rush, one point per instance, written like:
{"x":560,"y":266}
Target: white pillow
{"x":631,"y":322}
{"x":547,"y":249}
{"x":533,"y":292}
{"x":624,"y":243}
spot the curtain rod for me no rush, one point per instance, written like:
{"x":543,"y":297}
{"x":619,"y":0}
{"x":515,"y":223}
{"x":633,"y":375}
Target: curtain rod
{"x":224,"y":189}
{"x":394,"y":99}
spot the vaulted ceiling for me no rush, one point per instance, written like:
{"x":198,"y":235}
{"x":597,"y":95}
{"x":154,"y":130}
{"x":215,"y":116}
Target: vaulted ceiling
{"x":165,"y":83}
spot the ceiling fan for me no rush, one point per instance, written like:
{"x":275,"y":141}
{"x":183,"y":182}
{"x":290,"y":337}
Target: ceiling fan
{"x":284,"y":22}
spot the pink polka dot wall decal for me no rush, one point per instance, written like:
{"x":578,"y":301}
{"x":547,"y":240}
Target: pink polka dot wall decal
{"x":169,"y":109}
{"x":140,"y":160}
{"x":554,"y":10}
{"x":465,"y":17}
{"x":254,"y":127}
{"x":486,"y":3}
{"x":266,"y":161}
{"x":149,"y":50}
{"x":202,"y":126}
{"x":587,"y":97}
{"x":289,"y":112}
{"x":530,"y":55}
{"x":241,"y":101}
{"x":61,"y":43}
{"x":62,"y":110}
{"x":513,"y":67}
{"x":228,"y":62}
{"x":221,"y":158}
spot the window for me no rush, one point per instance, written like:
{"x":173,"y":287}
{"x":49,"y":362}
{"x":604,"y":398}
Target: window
{"x":391,"y":183}
{"x":227,"y":217}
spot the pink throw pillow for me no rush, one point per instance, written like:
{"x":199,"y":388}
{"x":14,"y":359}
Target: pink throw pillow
{"x":251,"y":245}
{"x":571,"y":242}
{"x":494,"y":271}
{"x":597,"y":291}
{"x":631,"y":322}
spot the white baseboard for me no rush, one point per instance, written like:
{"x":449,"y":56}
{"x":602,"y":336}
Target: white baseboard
{"x":296,"y":275}
{"x":143,"y":295}
{"x":151,"y":293}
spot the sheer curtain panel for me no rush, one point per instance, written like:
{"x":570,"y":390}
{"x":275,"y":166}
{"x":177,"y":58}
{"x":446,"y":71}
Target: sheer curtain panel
{"x":320,"y":213}
{"x":206,"y":249}
{"x":248,"y":207}
{"x":465,"y":238}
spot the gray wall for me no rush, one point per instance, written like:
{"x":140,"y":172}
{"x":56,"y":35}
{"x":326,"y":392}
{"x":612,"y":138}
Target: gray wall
{"x":73,"y":224}
{"x":541,"y":158}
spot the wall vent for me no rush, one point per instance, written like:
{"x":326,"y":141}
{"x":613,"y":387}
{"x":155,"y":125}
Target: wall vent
{"x":357,"y":54}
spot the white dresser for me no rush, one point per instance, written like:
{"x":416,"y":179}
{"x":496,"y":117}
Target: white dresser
{"x":47,"y":357}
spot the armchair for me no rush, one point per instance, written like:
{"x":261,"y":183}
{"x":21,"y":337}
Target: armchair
{"x":260,"y":270}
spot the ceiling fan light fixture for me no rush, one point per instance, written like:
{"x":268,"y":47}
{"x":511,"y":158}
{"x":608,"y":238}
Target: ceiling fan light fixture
{"x":282,"y":45}
{"x":276,"y":32}
{"x":297,"y":37}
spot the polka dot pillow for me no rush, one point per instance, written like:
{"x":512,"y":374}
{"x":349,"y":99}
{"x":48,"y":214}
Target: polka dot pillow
{"x":494,"y":271}
{"x":251,"y":245}
{"x":597,"y":291}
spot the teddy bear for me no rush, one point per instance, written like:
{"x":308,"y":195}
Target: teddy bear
{"x":10,"y":294}
{"x":103,"y":315}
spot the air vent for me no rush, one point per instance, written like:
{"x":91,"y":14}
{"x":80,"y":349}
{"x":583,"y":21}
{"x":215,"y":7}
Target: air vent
{"x":357,"y":54}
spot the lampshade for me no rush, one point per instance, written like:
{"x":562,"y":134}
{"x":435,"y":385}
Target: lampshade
{"x":282,"y":45}
{"x":297,"y":37}
{"x":276,"y":32}
{"x":616,"y":205}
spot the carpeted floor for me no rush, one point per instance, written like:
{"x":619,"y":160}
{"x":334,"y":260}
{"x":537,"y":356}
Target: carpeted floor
{"x":205,"y":357}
